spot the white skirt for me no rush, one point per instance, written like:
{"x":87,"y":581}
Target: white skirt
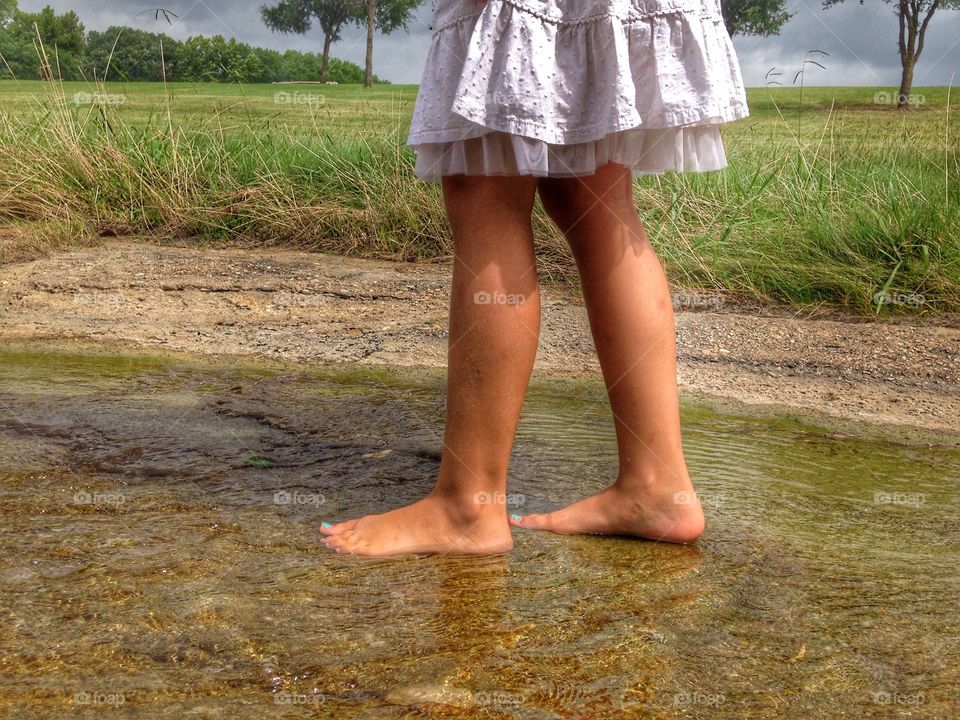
{"x":559,"y":87}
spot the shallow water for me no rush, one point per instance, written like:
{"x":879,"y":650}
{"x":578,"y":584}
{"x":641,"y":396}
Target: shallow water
{"x":159,"y":559}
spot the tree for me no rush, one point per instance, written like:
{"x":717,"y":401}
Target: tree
{"x":385,"y":16}
{"x":132,"y":54}
{"x":202,"y":59}
{"x":347,"y":72}
{"x":17,"y":56}
{"x":297,"y":16}
{"x":237,"y":61}
{"x":9,"y":51}
{"x":913,"y":18}
{"x":65,"y":31}
{"x":7,"y":10}
{"x":754,"y":17}
{"x":196,"y":63}
{"x":63,"y":39}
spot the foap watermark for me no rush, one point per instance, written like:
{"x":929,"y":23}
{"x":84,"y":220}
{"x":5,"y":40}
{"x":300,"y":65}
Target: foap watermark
{"x":286,"y":497}
{"x":882,"y":497}
{"x":696,"y":697}
{"x":706,"y":499}
{"x":98,"y":98}
{"x":108,"y":699}
{"x":507,"y":701}
{"x":498,"y":498}
{"x":498,"y":298}
{"x":289,"y":698}
{"x":883,"y":297}
{"x":884,"y":697}
{"x":508,"y":98}
{"x":498,"y":699}
{"x":689,"y":300}
{"x":99,"y":299}
{"x":888,"y":98}
{"x":282,"y":298}
{"x":298,"y":98}
{"x":83,"y":497}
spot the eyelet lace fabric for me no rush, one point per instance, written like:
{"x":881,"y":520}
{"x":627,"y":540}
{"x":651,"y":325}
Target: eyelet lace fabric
{"x":559,"y":87}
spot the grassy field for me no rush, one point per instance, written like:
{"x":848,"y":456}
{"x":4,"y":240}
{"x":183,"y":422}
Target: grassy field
{"x":829,"y":202}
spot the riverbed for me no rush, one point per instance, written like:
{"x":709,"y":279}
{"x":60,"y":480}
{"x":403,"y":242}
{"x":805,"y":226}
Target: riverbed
{"x":160,"y":557}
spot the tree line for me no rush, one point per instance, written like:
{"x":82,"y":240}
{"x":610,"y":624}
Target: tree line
{"x":136,"y":54}
{"x":129,"y":54}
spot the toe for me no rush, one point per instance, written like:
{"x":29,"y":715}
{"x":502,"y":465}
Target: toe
{"x":337,"y":542}
{"x":351,"y":542}
{"x":328,"y":544}
{"x":533,"y":522}
{"x":339,"y":527}
{"x":348,"y":542}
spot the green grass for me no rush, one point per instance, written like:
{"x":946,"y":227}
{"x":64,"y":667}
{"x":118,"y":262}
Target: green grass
{"x":824,"y":204}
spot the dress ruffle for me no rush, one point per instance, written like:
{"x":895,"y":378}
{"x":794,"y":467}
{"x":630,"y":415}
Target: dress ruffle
{"x":696,"y":148}
{"x":645,"y":82}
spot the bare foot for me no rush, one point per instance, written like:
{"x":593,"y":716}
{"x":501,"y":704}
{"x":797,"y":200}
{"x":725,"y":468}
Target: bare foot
{"x":433,"y":525}
{"x":668,"y":517}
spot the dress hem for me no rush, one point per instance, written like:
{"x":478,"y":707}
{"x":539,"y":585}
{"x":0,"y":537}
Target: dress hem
{"x":479,"y":124}
{"x":644,"y":151}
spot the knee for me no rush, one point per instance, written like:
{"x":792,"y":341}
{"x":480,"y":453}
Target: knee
{"x":471,"y":195}
{"x":576,"y":202}
{"x":562,"y":201}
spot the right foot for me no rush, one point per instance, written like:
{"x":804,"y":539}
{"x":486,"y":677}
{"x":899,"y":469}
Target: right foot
{"x":667,"y":517}
{"x":434,"y":525}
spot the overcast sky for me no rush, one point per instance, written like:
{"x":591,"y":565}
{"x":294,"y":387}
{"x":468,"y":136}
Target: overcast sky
{"x":861,"y":39}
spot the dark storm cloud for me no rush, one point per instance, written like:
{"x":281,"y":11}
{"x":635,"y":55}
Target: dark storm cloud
{"x":861,"y":39}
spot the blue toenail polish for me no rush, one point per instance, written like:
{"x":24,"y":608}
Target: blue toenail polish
{"x":515,"y":517}
{"x":326,"y":525}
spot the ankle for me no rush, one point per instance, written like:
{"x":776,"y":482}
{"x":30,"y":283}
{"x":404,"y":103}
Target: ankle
{"x":465,"y":505}
{"x":654,"y":481}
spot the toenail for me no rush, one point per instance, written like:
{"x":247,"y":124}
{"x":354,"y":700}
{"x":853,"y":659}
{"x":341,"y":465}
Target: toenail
{"x":515,"y":517}
{"x":325,"y":525}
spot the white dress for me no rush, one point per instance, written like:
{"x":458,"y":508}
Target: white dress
{"x":559,"y":87}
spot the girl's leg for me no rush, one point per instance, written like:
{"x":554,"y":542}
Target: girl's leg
{"x":494,"y":328}
{"x":631,"y":316}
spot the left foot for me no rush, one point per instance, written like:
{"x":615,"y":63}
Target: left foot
{"x":433,"y":525}
{"x":673,"y":516}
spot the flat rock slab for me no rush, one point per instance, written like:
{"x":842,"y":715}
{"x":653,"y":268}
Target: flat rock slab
{"x":313,"y":308}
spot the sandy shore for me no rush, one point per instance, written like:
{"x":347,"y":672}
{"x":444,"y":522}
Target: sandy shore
{"x":308,"y":308}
